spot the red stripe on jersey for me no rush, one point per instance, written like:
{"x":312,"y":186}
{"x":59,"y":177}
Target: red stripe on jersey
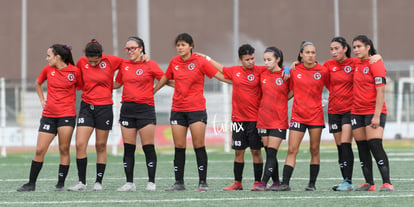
{"x":98,"y":81}
{"x":365,"y":93}
{"x":273,"y":110}
{"x":61,"y":90}
{"x":307,"y":85}
{"x":189,"y":82}
{"x":137,"y":79}
{"x":246,"y":91}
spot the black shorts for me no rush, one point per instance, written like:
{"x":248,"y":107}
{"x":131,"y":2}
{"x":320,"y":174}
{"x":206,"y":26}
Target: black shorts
{"x":280,"y":133}
{"x":296,"y":126}
{"x":135,"y":115}
{"x":358,"y":121}
{"x":187,"y":118}
{"x":336,"y":121}
{"x":50,"y":125}
{"x":96,"y":116}
{"x":244,"y":134}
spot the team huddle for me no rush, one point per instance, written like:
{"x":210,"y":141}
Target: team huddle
{"x":259,"y":104}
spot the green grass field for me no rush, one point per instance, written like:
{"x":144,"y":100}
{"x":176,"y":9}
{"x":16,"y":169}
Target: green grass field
{"x":14,"y":171}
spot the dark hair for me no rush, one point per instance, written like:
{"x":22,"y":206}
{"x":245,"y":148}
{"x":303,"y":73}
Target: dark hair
{"x":64,"y":51}
{"x":186,"y":38}
{"x":277,"y":53}
{"x":245,"y":49}
{"x":302,"y":45}
{"x":139,"y":41}
{"x":93,"y":49}
{"x":364,"y":39}
{"x":344,"y":44}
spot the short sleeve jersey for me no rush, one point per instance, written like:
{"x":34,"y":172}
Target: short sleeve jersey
{"x":340,"y":85}
{"x":246,"y":91}
{"x":273,"y":110}
{"x":61,"y":90}
{"x":365,"y":93}
{"x":99,"y":80}
{"x":307,"y":85}
{"x":189,"y":82}
{"x":137,"y":79}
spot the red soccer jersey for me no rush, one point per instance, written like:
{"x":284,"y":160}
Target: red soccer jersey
{"x":365,"y":93}
{"x":307,"y":85}
{"x":340,"y":85}
{"x":99,"y":80}
{"x":189,"y":82}
{"x":61,"y":90}
{"x":273,"y":110}
{"x":138,"y":80}
{"x":246,"y":91}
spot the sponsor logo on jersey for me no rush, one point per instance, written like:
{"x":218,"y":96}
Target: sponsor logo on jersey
{"x":264,"y":80}
{"x":71,"y":77}
{"x":279,"y":81}
{"x":102,"y":65}
{"x":317,"y":76}
{"x":86,"y":66}
{"x":139,"y":72}
{"x":347,"y":69}
{"x":126,"y":68}
{"x":191,"y":66}
{"x":366,"y":70}
{"x":299,"y":76}
{"x":250,"y":77}
{"x":334,"y":69}
{"x":238,"y":74}
{"x":176,"y":67}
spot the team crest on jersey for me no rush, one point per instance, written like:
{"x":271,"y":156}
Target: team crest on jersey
{"x":279,"y":81}
{"x":250,"y":77}
{"x":139,"y":72}
{"x":347,"y":69}
{"x":102,"y":65}
{"x":71,"y":77}
{"x":191,"y":66}
{"x":317,"y":76}
{"x":366,"y":70}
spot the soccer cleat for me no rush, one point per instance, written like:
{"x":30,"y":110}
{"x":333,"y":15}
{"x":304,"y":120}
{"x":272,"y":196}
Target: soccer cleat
{"x":310,"y":187}
{"x":59,"y":187}
{"x":345,"y":186}
{"x":97,"y":186}
{"x":366,"y":187}
{"x":127,"y":187}
{"x":176,"y":187}
{"x":255,"y":184}
{"x":78,"y":187}
{"x":202,"y":186}
{"x":335,"y":187}
{"x":261,"y":187}
{"x":386,"y":187}
{"x":273,"y":187}
{"x":27,"y":187}
{"x":237,"y":185}
{"x":282,"y":187}
{"x":151,"y":186}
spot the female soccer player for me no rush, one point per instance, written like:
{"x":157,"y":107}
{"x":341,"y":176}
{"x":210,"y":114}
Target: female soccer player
{"x":188,"y":107}
{"x":59,"y":111}
{"x":95,"y":110}
{"x":137,"y":112}
{"x":307,"y":82}
{"x":368,"y":114}
{"x":272,"y":118}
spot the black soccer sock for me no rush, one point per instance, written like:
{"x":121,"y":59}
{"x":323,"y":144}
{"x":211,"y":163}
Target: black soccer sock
{"x":366,"y":161}
{"x":287,"y":174}
{"x":348,"y":161}
{"x":81,"y":165}
{"x":100,"y":171}
{"x":258,"y":171}
{"x":151,"y":160}
{"x":202,"y":162}
{"x":270,"y":166}
{"x":238,"y":171}
{"x":340,"y":159}
{"x":313,"y":173}
{"x":34,"y":171}
{"x":179,"y":163}
{"x":63,"y":172}
{"x":129,"y":161}
{"x":375,"y":145}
